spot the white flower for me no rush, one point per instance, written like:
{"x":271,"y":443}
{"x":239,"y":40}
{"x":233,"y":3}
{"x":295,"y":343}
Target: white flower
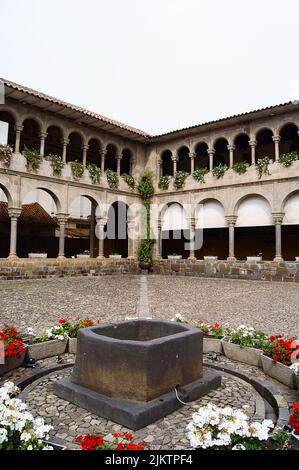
{"x":3,"y":435}
{"x":239,"y":447}
{"x":26,"y":436}
{"x":178,"y":318}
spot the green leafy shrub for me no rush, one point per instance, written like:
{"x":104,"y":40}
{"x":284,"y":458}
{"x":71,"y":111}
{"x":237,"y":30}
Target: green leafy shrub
{"x":262,"y":166}
{"x":112,"y":179}
{"x":199,"y":175}
{"x":240,"y":167}
{"x":77,"y":169}
{"x":219,"y":171}
{"x":6,"y":154}
{"x":56,"y":163}
{"x":94,"y":172}
{"x":286,"y":159}
{"x":145,"y":187}
{"x":33,"y":158}
{"x":180,"y":179}
{"x":164,"y":182}
{"x":129,"y":179}
{"x":145,"y":250}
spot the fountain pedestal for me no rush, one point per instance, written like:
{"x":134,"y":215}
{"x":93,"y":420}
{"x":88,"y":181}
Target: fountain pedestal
{"x":127,"y":371}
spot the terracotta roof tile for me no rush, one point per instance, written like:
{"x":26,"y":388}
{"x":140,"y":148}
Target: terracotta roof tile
{"x":32,"y":214}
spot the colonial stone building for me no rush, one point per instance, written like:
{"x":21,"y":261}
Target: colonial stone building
{"x":244,"y":204}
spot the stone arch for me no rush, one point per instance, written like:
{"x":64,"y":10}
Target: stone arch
{"x":175,"y":229}
{"x":53,"y":142}
{"x":30,"y":135}
{"x":7,"y":129}
{"x":48,"y":191}
{"x":126,"y":161}
{"x":210,"y":213}
{"x":7,"y":195}
{"x":166,"y":162}
{"x":116,"y":241}
{"x":202,"y":156}
{"x":221,"y":156}
{"x":242,"y":152}
{"x":265,"y":145}
{"x":33,"y":117}
{"x":290,"y":207}
{"x":94,"y":152}
{"x":255,"y":194}
{"x":184,"y":161}
{"x":289,"y":138}
{"x":112,"y":151}
{"x":74,"y":148}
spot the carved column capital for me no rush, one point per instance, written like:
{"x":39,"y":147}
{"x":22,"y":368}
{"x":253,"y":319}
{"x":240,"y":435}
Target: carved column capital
{"x":231,"y":148}
{"x":62,"y":218}
{"x":276,"y":138}
{"x":14,"y":212}
{"x":211,"y":152}
{"x":174,"y":158}
{"x":65,"y":141}
{"x":19,"y":128}
{"x":192,"y":155}
{"x":277,"y":217}
{"x":252,"y":143}
{"x":102,"y":221}
{"x":231,"y":220}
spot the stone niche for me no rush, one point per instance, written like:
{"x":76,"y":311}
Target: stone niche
{"x":128,"y":371}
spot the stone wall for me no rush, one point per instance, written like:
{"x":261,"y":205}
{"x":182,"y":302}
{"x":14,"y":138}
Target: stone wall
{"x":41,"y":269}
{"x":264,"y":271}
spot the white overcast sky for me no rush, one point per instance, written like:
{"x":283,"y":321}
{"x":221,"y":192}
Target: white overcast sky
{"x":155,"y":64}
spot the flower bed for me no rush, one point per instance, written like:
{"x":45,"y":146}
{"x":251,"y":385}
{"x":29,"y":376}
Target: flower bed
{"x":123,"y":441}
{"x":19,"y":430}
{"x":278,"y":357}
{"x":244,"y":344}
{"x":12,"y":349}
{"x":213,"y":333}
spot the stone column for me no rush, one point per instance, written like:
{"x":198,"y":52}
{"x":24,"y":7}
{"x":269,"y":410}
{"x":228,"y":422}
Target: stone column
{"x":103,"y":155}
{"x":92,"y":229}
{"x":43,"y":136}
{"x":174,"y":159}
{"x":131,"y":239}
{"x":85,"y":147}
{"x":231,"y":220}
{"x":276,"y":140}
{"x":14,"y":214}
{"x":192,"y":238}
{"x":159,"y":172}
{"x":118,"y":160}
{"x":65,"y":143}
{"x":253,"y":144}
{"x":158,"y":254}
{"x":231,"y":149}
{"x":211,"y":153}
{"x":192,"y":156}
{"x":18,"y":130}
{"x":277,"y":219}
{"x":101,"y":222}
{"x":62,"y":220}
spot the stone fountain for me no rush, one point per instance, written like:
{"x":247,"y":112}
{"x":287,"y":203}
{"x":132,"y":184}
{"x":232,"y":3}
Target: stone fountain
{"x":133,"y":372}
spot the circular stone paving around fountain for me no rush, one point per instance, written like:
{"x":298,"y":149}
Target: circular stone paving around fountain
{"x":69,"y":421}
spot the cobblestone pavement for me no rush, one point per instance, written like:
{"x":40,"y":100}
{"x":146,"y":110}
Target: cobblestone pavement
{"x":70,"y":421}
{"x":39,"y":303}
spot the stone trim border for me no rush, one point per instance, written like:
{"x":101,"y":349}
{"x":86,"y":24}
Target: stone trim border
{"x":270,"y":393}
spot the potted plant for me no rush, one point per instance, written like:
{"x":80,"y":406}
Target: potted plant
{"x":84,"y":255}
{"x":295,"y":369}
{"x":294,"y":420}
{"x":121,"y":441}
{"x":73,"y":330}
{"x":53,"y":342}
{"x":6,"y":153}
{"x":19,"y":430}
{"x":277,"y":359}
{"x":174,"y":256}
{"x":244,"y":344}
{"x":115,"y":256}
{"x":12,"y":349}
{"x":255,"y":259}
{"x":145,"y":253}
{"x":38,"y":254}
{"x":213,"y":333}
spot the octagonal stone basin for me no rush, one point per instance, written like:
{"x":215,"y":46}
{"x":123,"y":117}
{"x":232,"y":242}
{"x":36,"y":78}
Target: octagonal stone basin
{"x":127,"y":371}
{"x":138,"y":360}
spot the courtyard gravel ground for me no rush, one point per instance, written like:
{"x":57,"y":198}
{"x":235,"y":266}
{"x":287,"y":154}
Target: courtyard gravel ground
{"x":40,"y":303}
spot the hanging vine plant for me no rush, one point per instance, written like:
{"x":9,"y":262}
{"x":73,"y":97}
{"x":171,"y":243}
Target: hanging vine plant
{"x":112,"y":179}
{"x":199,"y":175}
{"x":56,"y":163}
{"x":262,"y":166}
{"x":240,"y":167}
{"x":219,"y":171}
{"x":6,"y":154}
{"x":33,"y":158}
{"x":94,"y":172}
{"x":77,"y":169}
{"x":286,"y":159}
{"x":145,"y":248}
{"x":164,"y":182}
{"x":180,"y":179}
{"x":129,"y":179}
